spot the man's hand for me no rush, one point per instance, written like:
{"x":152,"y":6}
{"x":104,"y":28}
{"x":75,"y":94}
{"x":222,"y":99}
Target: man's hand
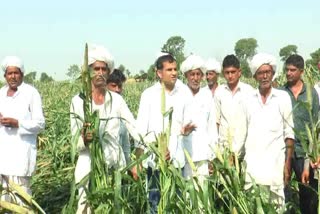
{"x":187,"y":129}
{"x":305,"y":176}
{"x":9,"y":122}
{"x":167,"y":157}
{"x":210,"y":167}
{"x":87,"y":135}
{"x":134,"y":171}
{"x":287,"y":173}
{"x":315,"y":164}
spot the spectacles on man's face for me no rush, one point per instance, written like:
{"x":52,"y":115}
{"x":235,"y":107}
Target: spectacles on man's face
{"x":264,"y":72}
{"x":98,"y":68}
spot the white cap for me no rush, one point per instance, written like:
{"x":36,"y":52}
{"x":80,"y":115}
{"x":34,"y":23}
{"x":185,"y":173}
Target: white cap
{"x":191,"y":63}
{"x":12,"y":61}
{"x":99,"y":53}
{"x":213,"y":65}
{"x":262,"y":59}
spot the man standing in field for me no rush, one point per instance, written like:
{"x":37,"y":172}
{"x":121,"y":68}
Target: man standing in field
{"x":21,"y":119}
{"x":297,"y":90}
{"x":198,"y":111}
{"x":213,"y":68}
{"x":115,"y":83}
{"x":269,"y":132}
{"x":229,"y":99}
{"x":151,"y":122}
{"x":112,"y":109}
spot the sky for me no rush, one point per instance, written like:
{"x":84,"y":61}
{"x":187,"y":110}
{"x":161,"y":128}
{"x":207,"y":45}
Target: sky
{"x":50,"y":35}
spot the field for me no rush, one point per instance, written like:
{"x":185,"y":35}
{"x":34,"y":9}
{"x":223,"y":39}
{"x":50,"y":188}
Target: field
{"x":53,"y":182}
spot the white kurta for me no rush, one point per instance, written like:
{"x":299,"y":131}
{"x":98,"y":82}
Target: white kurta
{"x":18,"y":149}
{"x":150,"y":121}
{"x":111,"y":113}
{"x":199,"y":110}
{"x":268,"y":125}
{"x":229,"y":115}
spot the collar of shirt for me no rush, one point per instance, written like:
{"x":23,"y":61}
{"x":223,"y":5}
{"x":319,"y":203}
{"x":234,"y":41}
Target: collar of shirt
{"x":258,"y":95}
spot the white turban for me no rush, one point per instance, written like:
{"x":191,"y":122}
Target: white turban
{"x":99,"y":53}
{"x":262,"y":59}
{"x":191,"y":63}
{"x":12,"y":61}
{"x":213,"y":65}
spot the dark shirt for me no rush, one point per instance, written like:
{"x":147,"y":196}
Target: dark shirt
{"x":301,"y":116}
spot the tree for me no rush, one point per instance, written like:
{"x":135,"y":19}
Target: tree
{"x":127,"y":72}
{"x":151,"y":73}
{"x":175,"y":46}
{"x":73,"y":71}
{"x":122,"y":68}
{"x":286,"y":51}
{"x":44,"y":77}
{"x":30,"y":77}
{"x":315,"y":59}
{"x":245,"y":49}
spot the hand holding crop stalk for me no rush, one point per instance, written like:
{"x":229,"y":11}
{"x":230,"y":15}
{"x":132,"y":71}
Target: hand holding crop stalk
{"x":87,"y":134}
{"x":9,"y":122}
{"x":306,"y":172}
{"x":188,"y":128}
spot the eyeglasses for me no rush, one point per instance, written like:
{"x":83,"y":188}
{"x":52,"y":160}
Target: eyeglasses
{"x":100,"y":68}
{"x":262,"y":73}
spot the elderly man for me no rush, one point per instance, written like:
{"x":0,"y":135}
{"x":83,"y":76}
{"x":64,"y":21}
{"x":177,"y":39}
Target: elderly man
{"x":198,"y":112}
{"x":297,"y":90}
{"x":229,"y":99}
{"x":21,"y":119}
{"x":151,"y":122}
{"x":269,"y":132}
{"x":213,"y":68}
{"x":112,"y":109}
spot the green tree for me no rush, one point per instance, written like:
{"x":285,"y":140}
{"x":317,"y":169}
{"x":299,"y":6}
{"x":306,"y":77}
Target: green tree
{"x":288,"y":50}
{"x":175,"y":46}
{"x":315,"y":59}
{"x":245,"y":49}
{"x":74,"y":71}
{"x":122,"y":68}
{"x":151,"y":73}
{"x":44,"y":77}
{"x":30,"y":77}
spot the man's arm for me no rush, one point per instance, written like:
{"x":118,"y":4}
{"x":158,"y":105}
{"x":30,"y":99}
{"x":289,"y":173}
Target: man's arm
{"x":289,"y":154}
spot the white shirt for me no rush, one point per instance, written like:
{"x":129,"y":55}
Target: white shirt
{"x":229,"y":115}
{"x":150,"y":121}
{"x":18,"y":146}
{"x":111,"y":114}
{"x":268,"y":125}
{"x":199,"y":110}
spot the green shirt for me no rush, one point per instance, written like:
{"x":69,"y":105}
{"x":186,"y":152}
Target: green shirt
{"x":301,"y":116}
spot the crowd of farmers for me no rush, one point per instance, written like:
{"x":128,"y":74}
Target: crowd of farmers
{"x":265,"y":127}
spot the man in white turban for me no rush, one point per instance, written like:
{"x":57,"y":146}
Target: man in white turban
{"x":213,"y":68}
{"x":21,"y":119}
{"x":269,"y":132}
{"x":199,"y":118}
{"x":112,"y":109}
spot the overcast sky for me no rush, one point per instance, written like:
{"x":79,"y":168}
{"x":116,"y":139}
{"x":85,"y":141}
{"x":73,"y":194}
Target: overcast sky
{"x":50,"y":35}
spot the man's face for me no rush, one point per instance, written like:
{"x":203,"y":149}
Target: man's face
{"x":168,"y":75}
{"x":13,"y":77}
{"x":100,"y":73}
{"x":194,"y":78}
{"x":293,"y":73}
{"x":264,"y":76}
{"x":232,"y":74}
{"x":212,"y":77}
{"x":112,"y":86}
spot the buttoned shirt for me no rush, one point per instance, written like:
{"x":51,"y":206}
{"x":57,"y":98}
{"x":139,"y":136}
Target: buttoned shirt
{"x":18,"y":146}
{"x":301,"y":117}
{"x":199,"y":110}
{"x":151,"y":122}
{"x":269,"y":125}
{"x":229,"y":115}
{"x":112,"y":112}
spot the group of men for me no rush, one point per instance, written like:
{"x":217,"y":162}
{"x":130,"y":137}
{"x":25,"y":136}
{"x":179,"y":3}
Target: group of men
{"x":264,"y":127}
